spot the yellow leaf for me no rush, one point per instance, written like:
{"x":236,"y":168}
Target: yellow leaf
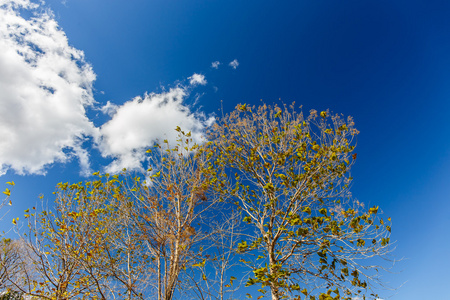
{"x":7,"y":192}
{"x":11,"y":183}
{"x":200,"y":264}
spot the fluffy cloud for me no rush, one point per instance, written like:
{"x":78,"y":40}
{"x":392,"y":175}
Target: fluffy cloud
{"x":234,"y":64}
{"x":139,"y":123}
{"x":109,"y":109}
{"x":215,"y":64}
{"x":197,"y":79}
{"x":45,"y":87}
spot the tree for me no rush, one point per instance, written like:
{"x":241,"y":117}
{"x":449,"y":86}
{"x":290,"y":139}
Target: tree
{"x":291,"y":177}
{"x":84,"y":247}
{"x":173,"y":204}
{"x":12,"y":267}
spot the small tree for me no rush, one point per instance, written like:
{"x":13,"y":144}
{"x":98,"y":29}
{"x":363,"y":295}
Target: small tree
{"x":85,"y":247}
{"x":291,"y":177}
{"x":13,"y":264}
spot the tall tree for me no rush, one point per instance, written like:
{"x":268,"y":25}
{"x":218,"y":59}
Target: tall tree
{"x":291,"y":177}
{"x":173,"y":205}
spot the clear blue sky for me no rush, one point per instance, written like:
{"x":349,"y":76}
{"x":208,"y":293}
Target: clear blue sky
{"x":386,"y":63}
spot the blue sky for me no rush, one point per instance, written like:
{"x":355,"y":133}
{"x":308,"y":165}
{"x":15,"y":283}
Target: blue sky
{"x":386,"y":63}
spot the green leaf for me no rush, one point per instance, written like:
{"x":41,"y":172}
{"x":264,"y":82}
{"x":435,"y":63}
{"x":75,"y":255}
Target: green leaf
{"x":247,"y":219}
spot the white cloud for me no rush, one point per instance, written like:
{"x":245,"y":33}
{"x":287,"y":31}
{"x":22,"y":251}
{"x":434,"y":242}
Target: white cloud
{"x":109,"y":109}
{"x":197,"y":79}
{"x":142,"y":121}
{"x":234,"y":64}
{"x":215,"y":64}
{"x":45,"y":86}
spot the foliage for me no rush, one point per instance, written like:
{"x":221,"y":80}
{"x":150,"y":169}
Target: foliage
{"x":82,"y":248}
{"x":291,"y":177}
{"x":269,"y":192}
{"x":11,"y":295}
{"x":12,"y":265}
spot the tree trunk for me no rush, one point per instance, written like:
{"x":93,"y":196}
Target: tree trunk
{"x":272,"y":269}
{"x":159,"y":276}
{"x":173,"y":272}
